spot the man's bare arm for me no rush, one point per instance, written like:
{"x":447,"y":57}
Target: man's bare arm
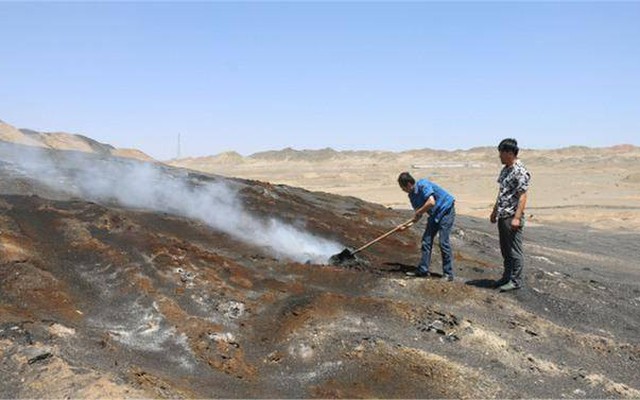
{"x":428,"y":205}
{"x":494,"y":214}
{"x":522,"y":203}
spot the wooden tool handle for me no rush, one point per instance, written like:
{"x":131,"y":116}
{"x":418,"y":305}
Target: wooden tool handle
{"x":379,"y":238}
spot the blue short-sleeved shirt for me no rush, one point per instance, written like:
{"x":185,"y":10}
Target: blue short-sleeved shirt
{"x":422,"y":190}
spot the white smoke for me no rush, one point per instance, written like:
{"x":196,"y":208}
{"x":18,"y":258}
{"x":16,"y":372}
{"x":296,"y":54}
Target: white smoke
{"x":149,"y":186}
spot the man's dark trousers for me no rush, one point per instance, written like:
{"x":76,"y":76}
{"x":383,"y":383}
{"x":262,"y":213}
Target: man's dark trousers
{"x":443,"y":228}
{"x":511,"y":249}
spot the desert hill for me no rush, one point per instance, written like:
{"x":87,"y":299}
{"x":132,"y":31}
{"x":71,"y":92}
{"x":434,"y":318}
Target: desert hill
{"x":121,"y":278}
{"x":64,"y":141}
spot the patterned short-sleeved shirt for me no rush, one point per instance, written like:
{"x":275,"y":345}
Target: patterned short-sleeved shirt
{"x":513,"y":181}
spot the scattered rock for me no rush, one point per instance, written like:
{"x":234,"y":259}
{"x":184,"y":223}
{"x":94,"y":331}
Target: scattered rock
{"x":226,"y":337}
{"x":301,"y":350}
{"x":543,"y":259}
{"x":15,"y":332}
{"x":451,"y":337}
{"x":438,"y":327}
{"x":40,"y":358}
{"x":232,"y":309}
{"x":38,"y":355}
{"x":274,"y":357}
{"x":61,"y":330}
{"x":186,"y":277}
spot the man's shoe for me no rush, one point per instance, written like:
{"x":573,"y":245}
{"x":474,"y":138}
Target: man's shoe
{"x":500,"y":282}
{"x":416,"y":274}
{"x":508,"y":286}
{"x":447,"y":277}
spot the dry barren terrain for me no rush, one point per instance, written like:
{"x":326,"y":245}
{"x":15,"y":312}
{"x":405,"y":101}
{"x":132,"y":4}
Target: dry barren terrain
{"x":124,"y":279}
{"x":599,"y":187}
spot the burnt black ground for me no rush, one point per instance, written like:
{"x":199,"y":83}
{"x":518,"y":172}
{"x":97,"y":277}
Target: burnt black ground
{"x":136,"y":303}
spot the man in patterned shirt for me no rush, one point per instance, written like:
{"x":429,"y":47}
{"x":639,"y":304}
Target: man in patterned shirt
{"x":509,"y":213}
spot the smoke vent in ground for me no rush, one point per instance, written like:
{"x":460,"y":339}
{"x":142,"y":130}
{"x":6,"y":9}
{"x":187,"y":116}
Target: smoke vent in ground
{"x":130,"y":183}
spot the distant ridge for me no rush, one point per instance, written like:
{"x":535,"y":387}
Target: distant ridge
{"x":228,"y":157}
{"x":289,"y":154}
{"x":65,"y":141}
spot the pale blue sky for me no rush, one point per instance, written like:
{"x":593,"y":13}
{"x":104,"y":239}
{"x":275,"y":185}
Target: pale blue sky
{"x":259,"y":76}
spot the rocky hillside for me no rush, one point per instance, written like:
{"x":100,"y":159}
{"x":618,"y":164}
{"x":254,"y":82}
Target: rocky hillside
{"x":64,"y":141}
{"x":126,"y":279}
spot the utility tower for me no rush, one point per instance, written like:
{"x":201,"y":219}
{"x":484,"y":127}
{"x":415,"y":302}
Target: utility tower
{"x":178,"y":152}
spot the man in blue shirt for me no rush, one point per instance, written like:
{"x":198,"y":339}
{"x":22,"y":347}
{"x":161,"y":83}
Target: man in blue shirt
{"x":427,"y":197}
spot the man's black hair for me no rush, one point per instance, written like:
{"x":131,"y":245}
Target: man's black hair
{"x":405,"y":178}
{"x":509,"y":145}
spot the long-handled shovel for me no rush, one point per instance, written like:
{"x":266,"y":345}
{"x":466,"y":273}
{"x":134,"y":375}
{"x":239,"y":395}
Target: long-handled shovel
{"x":346,"y":254}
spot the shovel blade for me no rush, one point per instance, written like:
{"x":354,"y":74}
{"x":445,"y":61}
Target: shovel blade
{"x":340,"y":258}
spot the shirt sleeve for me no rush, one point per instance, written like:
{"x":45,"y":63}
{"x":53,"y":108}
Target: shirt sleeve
{"x":427,"y":191}
{"x":523,"y":181}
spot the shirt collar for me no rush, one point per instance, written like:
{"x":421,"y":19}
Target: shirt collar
{"x":515,"y":164}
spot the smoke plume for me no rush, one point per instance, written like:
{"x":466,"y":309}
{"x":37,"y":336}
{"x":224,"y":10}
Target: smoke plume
{"x":152,"y":186}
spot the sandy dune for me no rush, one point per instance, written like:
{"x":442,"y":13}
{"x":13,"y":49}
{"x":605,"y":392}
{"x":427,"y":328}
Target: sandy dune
{"x":64,"y":141}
